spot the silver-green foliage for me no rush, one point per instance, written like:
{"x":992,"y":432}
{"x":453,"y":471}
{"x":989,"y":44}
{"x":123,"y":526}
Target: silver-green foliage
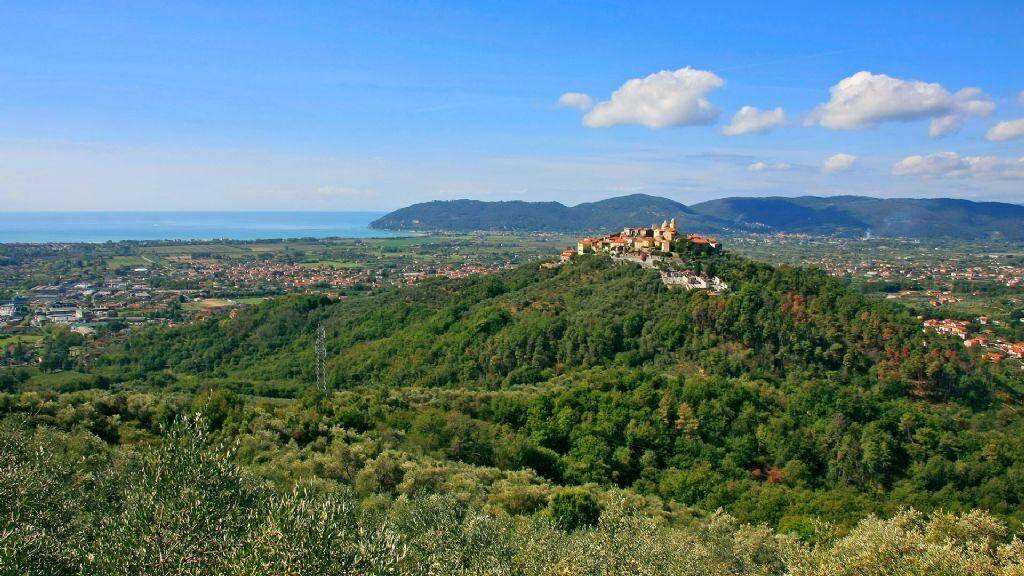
{"x":182,"y":507}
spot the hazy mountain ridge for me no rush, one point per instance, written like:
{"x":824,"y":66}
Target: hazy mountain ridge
{"x":521,"y":216}
{"x":843,"y":215}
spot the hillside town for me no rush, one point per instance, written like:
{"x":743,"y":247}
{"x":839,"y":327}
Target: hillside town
{"x":996,"y":348}
{"x":184,"y":292}
{"x":98,"y":292}
{"x":891,"y":259}
{"x":654,"y":247}
{"x":644,"y":240}
{"x":973,"y":291}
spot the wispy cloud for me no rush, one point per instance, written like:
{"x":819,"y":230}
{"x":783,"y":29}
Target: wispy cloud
{"x":763,"y":166}
{"x":1006,"y":130}
{"x":576,"y":100}
{"x":838,"y":163}
{"x":952,"y":165}
{"x":750,"y":120}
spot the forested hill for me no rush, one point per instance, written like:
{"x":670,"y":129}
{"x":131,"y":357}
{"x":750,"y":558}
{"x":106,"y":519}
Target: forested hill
{"x":788,"y":397}
{"x":472,"y":215}
{"x":845,"y":215}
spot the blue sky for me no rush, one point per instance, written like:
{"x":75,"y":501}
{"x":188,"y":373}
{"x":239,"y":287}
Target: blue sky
{"x":140,"y":105}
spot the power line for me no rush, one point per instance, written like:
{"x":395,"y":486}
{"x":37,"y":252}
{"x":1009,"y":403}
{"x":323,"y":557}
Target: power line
{"x":320,"y":350}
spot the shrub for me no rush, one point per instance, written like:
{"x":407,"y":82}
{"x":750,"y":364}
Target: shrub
{"x":573,"y":509}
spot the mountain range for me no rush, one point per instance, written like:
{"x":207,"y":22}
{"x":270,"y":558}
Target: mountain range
{"x":835,"y":215}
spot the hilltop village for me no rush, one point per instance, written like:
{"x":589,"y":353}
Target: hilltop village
{"x":658,"y":247}
{"x":654,"y":247}
{"x":650,"y":240}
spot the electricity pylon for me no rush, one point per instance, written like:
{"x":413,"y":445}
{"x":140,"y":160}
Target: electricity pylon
{"x":321,"y":359}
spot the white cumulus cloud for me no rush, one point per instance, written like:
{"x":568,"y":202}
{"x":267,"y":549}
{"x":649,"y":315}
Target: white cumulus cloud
{"x":576,"y":100}
{"x":750,"y":120}
{"x":763,"y":166}
{"x":838,"y":163}
{"x":952,"y":165}
{"x":865,"y":100}
{"x":659,"y":100}
{"x":1006,"y":130}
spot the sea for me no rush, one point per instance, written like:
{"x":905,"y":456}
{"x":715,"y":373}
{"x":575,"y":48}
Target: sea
{"x":242,"y":225}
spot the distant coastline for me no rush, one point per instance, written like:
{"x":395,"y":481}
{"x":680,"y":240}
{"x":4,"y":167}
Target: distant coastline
{"x":104,"y":226}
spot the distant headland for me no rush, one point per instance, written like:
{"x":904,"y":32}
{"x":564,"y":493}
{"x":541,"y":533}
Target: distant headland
{"x":836,"y":215}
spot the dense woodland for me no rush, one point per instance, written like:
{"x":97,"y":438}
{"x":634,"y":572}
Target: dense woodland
{"x":69,"y":504}
{"x":546,"y":401}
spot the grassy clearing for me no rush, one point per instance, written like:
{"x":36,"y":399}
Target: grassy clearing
{"x":251,"y":300}
{"x":208,"y":303}
{"x":60,"y":381}
{"x":115,"y":262}
{"x":15,"y":338}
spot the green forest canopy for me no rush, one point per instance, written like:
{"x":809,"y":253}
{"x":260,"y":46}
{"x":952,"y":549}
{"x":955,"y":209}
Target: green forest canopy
{"x":70,"y":505}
